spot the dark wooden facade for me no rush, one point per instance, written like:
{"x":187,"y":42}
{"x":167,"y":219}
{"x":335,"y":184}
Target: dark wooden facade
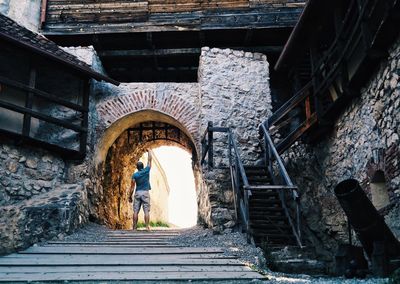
{"x":105,"y":16}
{"x":332,"y":52}
{"x":44,"y":95}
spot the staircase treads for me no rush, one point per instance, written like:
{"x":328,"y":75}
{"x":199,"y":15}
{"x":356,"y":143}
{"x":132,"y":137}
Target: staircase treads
{"x":125,"y":260}
{"x":133,"y":276}
{"x":261,"y":217}
{"x":266,"y":222}
{"x":260,"y":208}
{"x":112,"y":242}
{"x":118,"y":250}
{"x":263,"y":194}
{"x":271,"y":227}
{"x":117,"y":268}
{"x":273,"y":235}
{"x":127,"y":256}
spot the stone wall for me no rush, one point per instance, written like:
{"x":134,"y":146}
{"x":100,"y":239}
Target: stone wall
{"x":24,"y":12}
{"x":27,"y":172}
{"x":371,"y":121}
{"x":36,"y":202}
{"x":234,"y":92}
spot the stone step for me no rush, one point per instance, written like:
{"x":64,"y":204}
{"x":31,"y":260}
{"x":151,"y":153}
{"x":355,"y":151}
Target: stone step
{"x":300,"y":265}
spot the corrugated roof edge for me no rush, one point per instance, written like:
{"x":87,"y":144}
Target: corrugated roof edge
{"x":82,"y":67}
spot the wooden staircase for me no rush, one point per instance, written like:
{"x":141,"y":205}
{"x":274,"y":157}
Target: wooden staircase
{"x":265,"y":199}
{"x":124,"y":256}
{"x":268,"y":222}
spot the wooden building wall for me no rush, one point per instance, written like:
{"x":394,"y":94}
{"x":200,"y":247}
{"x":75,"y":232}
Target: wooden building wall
{"x":111,"y":11}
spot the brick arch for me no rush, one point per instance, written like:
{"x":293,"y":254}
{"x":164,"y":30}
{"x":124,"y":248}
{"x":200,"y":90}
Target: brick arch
{"x":116,"y":108}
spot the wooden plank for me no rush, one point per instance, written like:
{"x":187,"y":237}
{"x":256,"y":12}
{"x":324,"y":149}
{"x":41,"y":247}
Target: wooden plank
{"x":118,"y":250}
{"x":116,"y":268}
{"x":116,"y":257}
{"x":135,"y":239}
{"x":94,"y":244}
{"x":194,"y":21}
{"x":133,"y":276}
{"x":112,"y":243}
{"x":269,"y":187}
{"x":119,"y":260}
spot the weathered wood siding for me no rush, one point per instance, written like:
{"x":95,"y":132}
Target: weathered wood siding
{"x":112,"y":11}
{"x":79,"y":11}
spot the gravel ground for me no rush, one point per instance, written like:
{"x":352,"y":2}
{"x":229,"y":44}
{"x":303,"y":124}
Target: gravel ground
{"x":233,"y":244}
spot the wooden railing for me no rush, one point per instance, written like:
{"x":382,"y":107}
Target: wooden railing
{"x":240,"y":184}
{"x":280,"y":177}
{"x":336,"y":73}
{"x":237,"y":173}
{"x":78,"y":123}
{"x":298,"y":109}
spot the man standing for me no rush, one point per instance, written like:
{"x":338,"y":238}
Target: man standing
{"x":142,"y":197}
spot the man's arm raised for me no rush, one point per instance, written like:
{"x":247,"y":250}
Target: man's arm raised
{"x":149,"y":158}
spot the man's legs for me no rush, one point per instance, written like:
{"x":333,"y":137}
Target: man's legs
{"x":135,"y":219}
{"x":146,"y":208}
{"x":136,"y":207}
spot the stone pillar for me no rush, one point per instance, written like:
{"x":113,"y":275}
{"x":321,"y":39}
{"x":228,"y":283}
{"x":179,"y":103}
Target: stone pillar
{"x":234,"y":92}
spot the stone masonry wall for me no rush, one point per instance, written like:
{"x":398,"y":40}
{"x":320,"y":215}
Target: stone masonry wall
{"x":234,"y":89}
{"x":372,"y":120}
{"x":26,"y":172}
{"x":36,"y":202}
{"x":24,"y":12}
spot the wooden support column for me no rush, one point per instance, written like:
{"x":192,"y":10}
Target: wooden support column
{"x":210,"y":146}
{"x":43,"y":11}
{"x":26,"y":128}
{"x":84,"y":92}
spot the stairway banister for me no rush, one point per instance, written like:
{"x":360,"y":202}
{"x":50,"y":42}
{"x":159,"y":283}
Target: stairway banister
{"x":237,"y":156}
{"x":290,"y":104}
{"x":274,"y":152}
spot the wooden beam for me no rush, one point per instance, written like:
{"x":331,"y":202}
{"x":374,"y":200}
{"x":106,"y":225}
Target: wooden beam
{"x":26,"y":128}
{"x":66,"y":153}
{"x":41,"y":116}
{"x":84,"y":92}
{"x":41,"y":94}
{"x":181,"y":51}
{"x":201,"y":20}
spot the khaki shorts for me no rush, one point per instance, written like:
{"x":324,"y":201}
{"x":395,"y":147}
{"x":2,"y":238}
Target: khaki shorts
{"x":142,"y":197}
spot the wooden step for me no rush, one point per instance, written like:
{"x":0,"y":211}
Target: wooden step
{"x":255,"y":217}
{"x":265,"y":209}
{"x":264,"y":203}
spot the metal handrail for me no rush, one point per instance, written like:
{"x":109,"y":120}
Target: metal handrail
{"x":237,"y":172}
{"x":282,"y":168}
{"x":271,"y":156}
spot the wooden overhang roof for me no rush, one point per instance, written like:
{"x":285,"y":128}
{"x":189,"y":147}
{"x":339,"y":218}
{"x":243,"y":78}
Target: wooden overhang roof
{"x":299,"y":37}
{"x":12,"y":32}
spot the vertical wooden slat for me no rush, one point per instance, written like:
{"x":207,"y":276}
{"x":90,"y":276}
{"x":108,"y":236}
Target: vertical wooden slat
{"x":26,"y":128}
{"x":308,"y":110}
{"x":43,"y":11}
{"x":84,"y":92}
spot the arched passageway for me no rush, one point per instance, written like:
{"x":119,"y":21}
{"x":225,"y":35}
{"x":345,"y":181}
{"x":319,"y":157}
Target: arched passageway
{"x":117,"y":159}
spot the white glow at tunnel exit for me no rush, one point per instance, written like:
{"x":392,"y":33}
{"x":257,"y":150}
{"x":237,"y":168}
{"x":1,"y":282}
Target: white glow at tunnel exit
{"x":177,"y":165}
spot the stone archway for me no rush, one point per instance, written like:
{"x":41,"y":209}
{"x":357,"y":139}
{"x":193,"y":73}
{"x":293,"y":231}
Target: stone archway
{"x":116,"y":156}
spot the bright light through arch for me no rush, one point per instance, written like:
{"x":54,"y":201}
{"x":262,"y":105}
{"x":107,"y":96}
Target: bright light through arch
{"x":182,"y":203}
